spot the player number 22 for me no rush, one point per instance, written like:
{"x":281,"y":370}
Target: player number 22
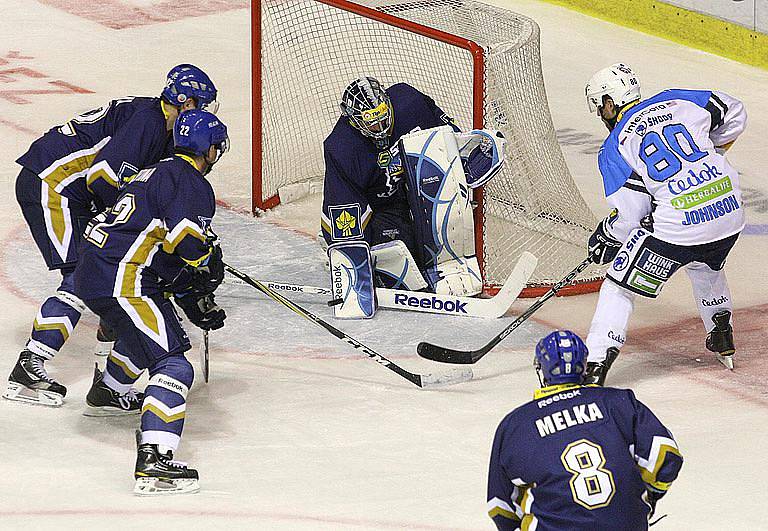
{"x":592,"y":484}
{"x":122,"y":210}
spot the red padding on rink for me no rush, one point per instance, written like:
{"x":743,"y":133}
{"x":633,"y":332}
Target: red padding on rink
{"x":117,"y":14}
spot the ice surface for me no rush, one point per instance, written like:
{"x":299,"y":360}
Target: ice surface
{"x":296,"y":430}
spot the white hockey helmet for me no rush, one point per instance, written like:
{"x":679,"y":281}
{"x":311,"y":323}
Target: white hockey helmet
{"x":617,"y":81}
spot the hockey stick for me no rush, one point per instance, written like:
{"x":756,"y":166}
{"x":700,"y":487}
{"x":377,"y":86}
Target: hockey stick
{"x":417,"y":301}
{"x":283,"y":287}
{"x":204,"y":350}
{"x":448,"y":355}
{"x":421,"y":380}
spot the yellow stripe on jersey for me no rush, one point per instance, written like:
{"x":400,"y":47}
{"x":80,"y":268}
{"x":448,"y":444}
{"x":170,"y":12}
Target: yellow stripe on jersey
{"x":649,"y":477}
{"x":133,"y":262}
{"x":500,"y":511}
{"x":189,"y":229}
{"x":102,"y":173}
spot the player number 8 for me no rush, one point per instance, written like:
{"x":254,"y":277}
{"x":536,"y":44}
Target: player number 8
{"x":592,"y":485}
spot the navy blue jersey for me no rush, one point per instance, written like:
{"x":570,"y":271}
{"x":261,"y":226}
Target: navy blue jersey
{"x":160,"y":222}
{"x":579,"y":458}
{"x":359,"y":177}
{"x":84,"y":159}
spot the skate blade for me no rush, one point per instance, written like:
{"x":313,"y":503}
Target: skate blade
{"x":108,"y":411}
{"x":164,"y":487}
{"x":16,"y":391}
{"x":725,"y":359}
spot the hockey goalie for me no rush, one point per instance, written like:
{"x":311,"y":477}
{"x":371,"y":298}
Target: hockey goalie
{"x":397,"y":203}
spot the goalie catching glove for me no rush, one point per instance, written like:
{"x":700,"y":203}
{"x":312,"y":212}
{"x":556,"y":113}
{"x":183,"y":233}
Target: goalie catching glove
{"x":201,"y":310}
{"x":603,"y":247}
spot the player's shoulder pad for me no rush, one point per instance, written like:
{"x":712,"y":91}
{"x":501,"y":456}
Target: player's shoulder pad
{"x":698,"y":97}
{"x":613,"y":168}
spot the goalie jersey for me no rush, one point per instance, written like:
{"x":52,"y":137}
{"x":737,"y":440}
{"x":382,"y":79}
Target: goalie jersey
{"x":579,"y":458}
{"x":160,"y":222}
{"x":663,"y":158}
{"x":85,"y":159}
{"x":359,"y":178}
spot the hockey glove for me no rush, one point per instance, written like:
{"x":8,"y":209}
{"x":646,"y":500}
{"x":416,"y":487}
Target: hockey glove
{"x":202,"y":310}
{"x":202,"y":279}
{"x":210,"y":275}
{"x":603,"y":248}
{"x":652,"y":496}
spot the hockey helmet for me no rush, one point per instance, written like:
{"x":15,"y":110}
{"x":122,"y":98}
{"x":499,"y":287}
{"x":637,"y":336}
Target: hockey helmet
{"x":366,"y":104}
{"x":196,"y":131}
{"x":186,"y":81}
{"x":617,"y":81}
{"x":561,"y":357}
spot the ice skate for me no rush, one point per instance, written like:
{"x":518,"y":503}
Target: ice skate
{"x":29,"y":382}
{"x":720,"y":339}
{"x":598,"y":370}
{"x":158,"y":474}
{"x":105,"y":402}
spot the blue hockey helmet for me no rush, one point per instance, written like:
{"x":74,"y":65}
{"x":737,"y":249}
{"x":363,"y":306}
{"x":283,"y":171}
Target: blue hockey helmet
{"x":186,"y":81}
{"x":366,"y":105}
{"x":561,"y":357}
{"x":196,"y":131}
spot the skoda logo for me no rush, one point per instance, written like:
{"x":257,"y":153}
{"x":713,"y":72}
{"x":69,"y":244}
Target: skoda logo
{"x":621,"y":261}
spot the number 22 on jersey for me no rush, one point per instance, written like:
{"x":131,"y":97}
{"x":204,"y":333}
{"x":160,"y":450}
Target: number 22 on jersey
{"x":122,"y":211}
{"x":592,"y":484}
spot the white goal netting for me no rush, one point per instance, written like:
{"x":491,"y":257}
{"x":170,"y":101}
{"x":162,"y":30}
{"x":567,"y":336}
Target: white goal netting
{"x":310,"y":50}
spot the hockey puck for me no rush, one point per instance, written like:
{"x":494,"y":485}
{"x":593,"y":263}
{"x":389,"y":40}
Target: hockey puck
{"x":336,"y":302}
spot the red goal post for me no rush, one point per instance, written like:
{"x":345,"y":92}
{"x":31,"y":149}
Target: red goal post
{"x":460,"y":52}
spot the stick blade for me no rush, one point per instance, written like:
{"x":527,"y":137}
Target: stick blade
{"x":451,"y":377}
{"x":440,"y":354}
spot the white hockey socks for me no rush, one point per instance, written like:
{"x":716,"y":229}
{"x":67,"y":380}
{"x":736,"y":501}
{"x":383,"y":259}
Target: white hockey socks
{"x":710,"y":289}
{"x":609,"y":324}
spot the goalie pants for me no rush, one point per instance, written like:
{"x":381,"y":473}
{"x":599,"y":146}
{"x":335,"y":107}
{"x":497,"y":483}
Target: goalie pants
{"x":150,"y":336}
{"x":642,"y":267}
{"x":56,"y":224}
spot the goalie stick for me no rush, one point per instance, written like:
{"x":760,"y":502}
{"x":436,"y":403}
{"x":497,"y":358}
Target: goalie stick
{"x":448,"y":355}
{"x":417,"y":301}
{"x":420,"y":380}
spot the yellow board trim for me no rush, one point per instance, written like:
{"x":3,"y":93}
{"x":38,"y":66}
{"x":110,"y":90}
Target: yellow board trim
{"x":165,"y":418}
{"x":692,"y":29}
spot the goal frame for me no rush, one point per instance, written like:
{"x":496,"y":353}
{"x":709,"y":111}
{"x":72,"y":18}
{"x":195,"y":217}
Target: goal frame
{"x":260,"y":203}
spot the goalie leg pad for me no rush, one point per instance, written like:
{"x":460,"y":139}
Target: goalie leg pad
{"x":440,"y":202}
{"x":352,"y":280}
{"x":396,"y":268}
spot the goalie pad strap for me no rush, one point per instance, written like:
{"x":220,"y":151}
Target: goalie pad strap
{"x":396,"y":268}
{"x":352,"y":280}
{"x":439,"y":199}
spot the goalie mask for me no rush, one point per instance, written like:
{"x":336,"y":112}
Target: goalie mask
{"x":367,"y":106}
{"x":617,"y":81}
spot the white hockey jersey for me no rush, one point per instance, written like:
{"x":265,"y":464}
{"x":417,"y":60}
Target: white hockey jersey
{"x":661,"y":159}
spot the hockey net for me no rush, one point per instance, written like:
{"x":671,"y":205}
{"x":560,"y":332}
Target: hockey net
{"x":480,"y":64}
